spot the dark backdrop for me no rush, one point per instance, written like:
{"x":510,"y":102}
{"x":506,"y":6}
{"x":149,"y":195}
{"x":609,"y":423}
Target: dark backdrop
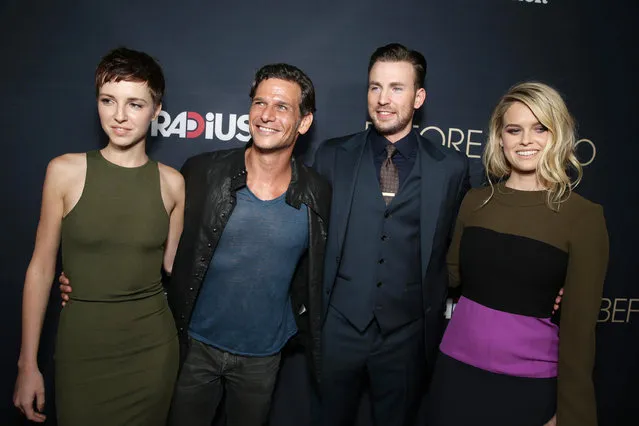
{"x":210,"y":51}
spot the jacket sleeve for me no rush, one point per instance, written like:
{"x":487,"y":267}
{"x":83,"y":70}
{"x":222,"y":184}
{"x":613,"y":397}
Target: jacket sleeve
{"x":186,"y":171}
{"x":322,"y":161}
{"x":587,"y":264}
{"x":452,"y":258}
{"x":177,"y":281}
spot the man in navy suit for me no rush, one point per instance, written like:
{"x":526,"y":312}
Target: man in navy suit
{"x":395,"y":198}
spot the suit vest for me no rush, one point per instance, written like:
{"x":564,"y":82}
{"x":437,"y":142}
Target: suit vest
{"x":380,"y":275}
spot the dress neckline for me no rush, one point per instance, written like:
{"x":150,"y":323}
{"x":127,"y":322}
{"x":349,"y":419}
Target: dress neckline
{"x":516,"y":197}
{"x":117,"y":166}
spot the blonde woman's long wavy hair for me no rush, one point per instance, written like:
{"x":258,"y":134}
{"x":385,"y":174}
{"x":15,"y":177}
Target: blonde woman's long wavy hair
{"x":557,"y":157}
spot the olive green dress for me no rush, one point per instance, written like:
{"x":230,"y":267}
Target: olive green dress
{"x":116,"y":354}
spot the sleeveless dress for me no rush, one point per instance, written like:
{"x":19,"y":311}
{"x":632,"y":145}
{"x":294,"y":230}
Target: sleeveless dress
{"x":116,"y":353}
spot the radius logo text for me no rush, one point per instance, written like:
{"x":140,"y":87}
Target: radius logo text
{"x":190,"y":125}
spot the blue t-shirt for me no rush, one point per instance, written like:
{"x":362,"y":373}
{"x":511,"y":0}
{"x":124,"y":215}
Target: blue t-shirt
{"x":244,"y":306}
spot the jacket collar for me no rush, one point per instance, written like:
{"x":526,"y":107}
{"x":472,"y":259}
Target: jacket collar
{"x":300,"y":190}
{"x":237,"y":167}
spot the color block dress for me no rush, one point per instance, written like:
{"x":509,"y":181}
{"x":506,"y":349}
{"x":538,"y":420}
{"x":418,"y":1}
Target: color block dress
{"x":505,"y":360}
{"x":116,"y":354}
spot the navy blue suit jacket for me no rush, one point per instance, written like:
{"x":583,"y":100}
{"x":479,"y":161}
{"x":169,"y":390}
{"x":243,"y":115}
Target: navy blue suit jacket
{"x":444,"y":181}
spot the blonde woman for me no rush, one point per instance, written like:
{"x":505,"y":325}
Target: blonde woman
{"x":517,"y":241}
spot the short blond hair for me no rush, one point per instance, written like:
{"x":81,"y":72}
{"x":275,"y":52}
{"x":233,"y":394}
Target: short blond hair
{"x":557,"y":157}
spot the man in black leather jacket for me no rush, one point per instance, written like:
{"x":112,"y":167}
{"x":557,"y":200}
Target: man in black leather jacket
{"x":237,"y":244}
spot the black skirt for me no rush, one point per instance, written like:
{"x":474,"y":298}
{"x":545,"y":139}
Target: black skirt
{"x":463,"y":395}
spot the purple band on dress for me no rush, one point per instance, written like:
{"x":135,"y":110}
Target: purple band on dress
{"x":501,"y":342}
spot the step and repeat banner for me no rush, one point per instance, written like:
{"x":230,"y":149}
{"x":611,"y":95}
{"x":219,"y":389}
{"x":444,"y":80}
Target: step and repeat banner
{"x":209,"y":52}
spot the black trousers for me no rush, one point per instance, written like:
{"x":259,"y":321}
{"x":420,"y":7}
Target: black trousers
{"x":392,"y":365}
{"x":208,"y":373}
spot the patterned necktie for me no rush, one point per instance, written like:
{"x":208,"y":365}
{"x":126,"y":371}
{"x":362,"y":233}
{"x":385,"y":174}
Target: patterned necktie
{"x":389,"y":176}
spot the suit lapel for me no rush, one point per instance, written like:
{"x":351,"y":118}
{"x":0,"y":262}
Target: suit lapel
{"x":347,"y":162}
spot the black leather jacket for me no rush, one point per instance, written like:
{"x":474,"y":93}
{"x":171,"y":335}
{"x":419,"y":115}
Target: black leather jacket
{"x":211,"y":180}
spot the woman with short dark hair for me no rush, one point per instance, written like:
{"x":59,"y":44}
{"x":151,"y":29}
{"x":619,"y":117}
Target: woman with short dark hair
{"x":119,"y":217}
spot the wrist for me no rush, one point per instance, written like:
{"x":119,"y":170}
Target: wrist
{"x":27,"y":365}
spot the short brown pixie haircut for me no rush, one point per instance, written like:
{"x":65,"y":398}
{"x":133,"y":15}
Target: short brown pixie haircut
{"x":124,"y":64}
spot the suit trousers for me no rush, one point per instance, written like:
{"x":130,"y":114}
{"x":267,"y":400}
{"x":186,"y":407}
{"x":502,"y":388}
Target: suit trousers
{"x":393,"y":365}
{"x":208,"y":373}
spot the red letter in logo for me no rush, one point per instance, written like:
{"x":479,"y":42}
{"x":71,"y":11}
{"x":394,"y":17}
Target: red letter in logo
{"x":199,"y":128}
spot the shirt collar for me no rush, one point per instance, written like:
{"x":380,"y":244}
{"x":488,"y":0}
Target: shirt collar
{"x":406,"y":146}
